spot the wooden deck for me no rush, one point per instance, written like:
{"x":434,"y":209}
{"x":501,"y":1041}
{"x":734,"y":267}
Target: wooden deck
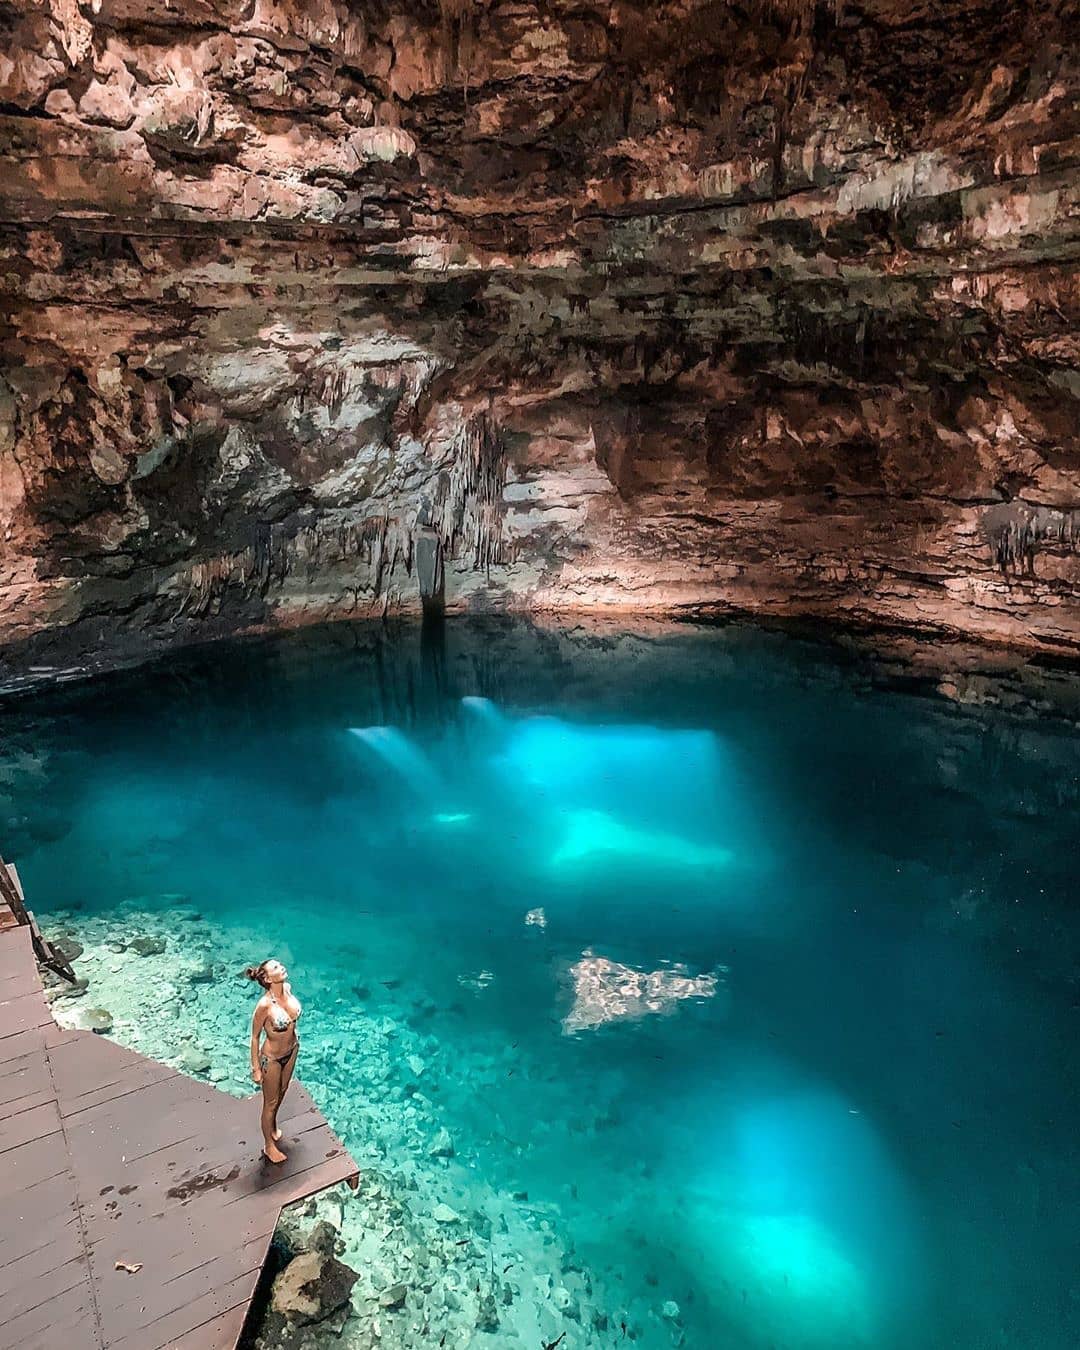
{"x":107,"y":1157}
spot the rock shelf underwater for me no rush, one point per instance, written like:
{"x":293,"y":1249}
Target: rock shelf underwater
{"x":687,"y":989}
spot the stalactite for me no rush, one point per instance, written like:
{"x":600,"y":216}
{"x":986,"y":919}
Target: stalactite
{"x":1016,"y":531}
{"x":458,"y":17}
{"x":468,"y":510}
{"x":780,"y":116}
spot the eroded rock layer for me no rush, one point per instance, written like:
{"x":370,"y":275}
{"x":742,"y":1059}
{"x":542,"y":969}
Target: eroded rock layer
{"x":658,"y":304}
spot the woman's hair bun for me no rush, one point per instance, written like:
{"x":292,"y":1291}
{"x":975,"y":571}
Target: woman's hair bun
{"x":258,"y":973}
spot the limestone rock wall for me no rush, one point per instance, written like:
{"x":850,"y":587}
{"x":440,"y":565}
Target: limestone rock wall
{"x":634,"y":304}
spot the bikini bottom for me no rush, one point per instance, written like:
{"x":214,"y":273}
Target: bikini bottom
{"x":264,"y":1060}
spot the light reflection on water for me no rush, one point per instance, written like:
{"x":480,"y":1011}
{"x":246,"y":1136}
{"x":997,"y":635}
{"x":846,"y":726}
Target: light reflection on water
{"x":819,"y":1043}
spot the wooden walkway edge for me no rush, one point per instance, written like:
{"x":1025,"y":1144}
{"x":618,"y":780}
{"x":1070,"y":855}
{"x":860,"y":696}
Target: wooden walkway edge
{"x":107,"y":1157}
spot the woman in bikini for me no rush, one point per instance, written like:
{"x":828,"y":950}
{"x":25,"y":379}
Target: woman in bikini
{"x":276,"y":1016}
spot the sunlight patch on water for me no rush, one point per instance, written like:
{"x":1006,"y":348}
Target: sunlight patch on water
{"x":801,"y":1287}
{"x":579,"y":799}
{"x":806,"y":1214}
{"x":592,"y":835}
{"x":639,"y":765}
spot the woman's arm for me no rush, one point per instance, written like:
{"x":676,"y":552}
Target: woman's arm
{"x":256,"y":1032}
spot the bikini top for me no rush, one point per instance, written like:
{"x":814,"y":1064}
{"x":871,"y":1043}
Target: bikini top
{"x":279,"y":1017}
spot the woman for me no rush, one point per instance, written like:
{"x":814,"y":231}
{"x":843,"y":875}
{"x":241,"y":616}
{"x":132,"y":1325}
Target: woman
{"x":276,"y":1016}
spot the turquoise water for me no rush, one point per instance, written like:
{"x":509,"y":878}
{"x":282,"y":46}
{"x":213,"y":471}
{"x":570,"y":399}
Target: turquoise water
{"x":751,"y":978}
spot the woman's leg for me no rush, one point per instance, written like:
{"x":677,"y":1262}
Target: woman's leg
{"x":287,"y":1071}
{"x":286,"y":1079}
{"x":271,"y":1088}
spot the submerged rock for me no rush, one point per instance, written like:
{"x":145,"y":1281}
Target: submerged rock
{"x":394,"y":1297}
{"x":148,"y":946}
{"x":68,"y":948}
{"x":444,"y":1214}
{"x":565,"y":1302}
{"x":194,"y":1060}
{"x":487,"y":1314}
{"x":311,"y":1287}
{"x":442,"y":1146}
{"x":322,"y":1238}
{"x":607,"y":991}
{"x":95,"y":1019}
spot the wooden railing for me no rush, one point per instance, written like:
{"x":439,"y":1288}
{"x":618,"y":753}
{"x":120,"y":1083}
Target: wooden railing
{"x":13,"y":902}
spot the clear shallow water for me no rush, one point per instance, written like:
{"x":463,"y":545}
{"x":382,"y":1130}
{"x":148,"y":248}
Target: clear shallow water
{"x":843,"y":1110}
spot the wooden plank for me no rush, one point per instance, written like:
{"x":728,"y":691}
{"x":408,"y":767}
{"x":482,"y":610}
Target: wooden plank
{"x":220,"y":1333}
{"x":23,"y":1077}
{"x":41,"y":1237}
{"x":70,"y":1330}
{"x":142,"y":1119}
{"x":24,"y":980}
{"x":317,"y":1158}
{"x":287,"y":1190}
{"x":15,"y":950}
{"x":179,"y":1175}
{"x":133,"y":1080}
{"x":32,"y":1041}
{"x":64,"y":1319}
{"x":81,"y":1063}
{"x":164,"y":1297}
{"x":107,"y":1148}
{"x":32,"y":1213}
{"x":85,"y":1078}
{"x":21,"y":1013}
{"x":35,"y":1161}
{"x":19,"y":1105}
{"x":164,"y":1330}
{"x":181,"y":1243}
{"x":79,"y":1092}
{"x":54,"y":1265}
{"x":25,"y":1127}
{"x":57,"y":1035}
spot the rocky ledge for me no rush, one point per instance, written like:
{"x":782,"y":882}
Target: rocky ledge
{"x":309,"y":305}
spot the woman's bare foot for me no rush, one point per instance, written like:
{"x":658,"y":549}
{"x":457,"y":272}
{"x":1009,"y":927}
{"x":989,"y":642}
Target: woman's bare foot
{"x":274,"y":1154}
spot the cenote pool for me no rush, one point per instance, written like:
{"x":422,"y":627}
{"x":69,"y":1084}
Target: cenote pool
{"x":724,"y":991}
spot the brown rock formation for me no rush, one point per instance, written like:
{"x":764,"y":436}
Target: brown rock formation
{"x":630,"y":304}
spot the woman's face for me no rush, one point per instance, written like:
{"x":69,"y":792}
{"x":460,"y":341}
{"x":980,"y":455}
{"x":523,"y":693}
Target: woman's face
{"x":275,"y":972}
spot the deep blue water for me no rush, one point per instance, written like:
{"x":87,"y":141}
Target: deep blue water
{"x":862,"y":1132}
